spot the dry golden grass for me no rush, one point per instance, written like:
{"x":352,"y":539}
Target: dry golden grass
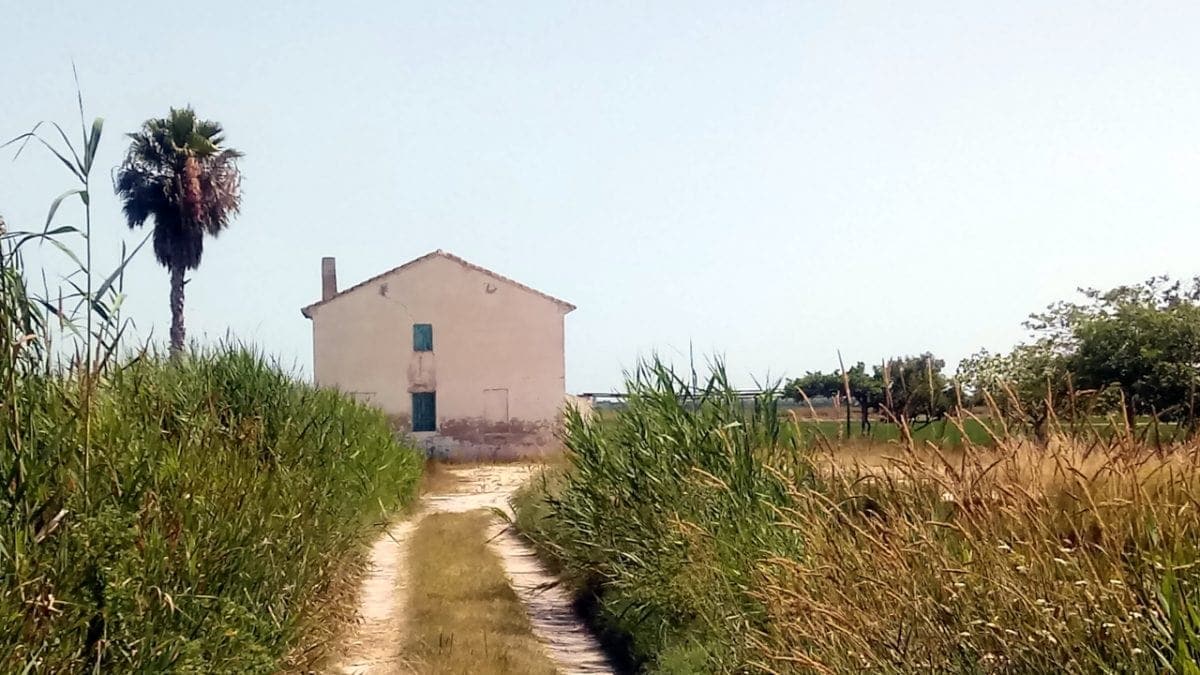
{"x":438,"y":478}
{"x":463,"y":616}
{"x":1021,"y":558}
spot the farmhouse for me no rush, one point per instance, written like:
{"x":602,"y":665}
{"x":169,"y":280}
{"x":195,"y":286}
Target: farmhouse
{"x":468,"y":360}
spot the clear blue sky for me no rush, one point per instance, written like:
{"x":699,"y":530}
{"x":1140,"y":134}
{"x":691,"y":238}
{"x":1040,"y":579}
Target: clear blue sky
{"x":769,"y":181}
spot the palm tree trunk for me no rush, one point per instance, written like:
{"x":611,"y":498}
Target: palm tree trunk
{"x":177,"y":331}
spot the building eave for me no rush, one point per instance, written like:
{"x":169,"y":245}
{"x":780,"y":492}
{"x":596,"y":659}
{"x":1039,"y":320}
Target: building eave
{"x":563,"y":304}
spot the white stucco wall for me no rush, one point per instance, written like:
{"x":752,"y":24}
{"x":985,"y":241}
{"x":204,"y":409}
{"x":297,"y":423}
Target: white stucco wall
{"x":488,"y":335}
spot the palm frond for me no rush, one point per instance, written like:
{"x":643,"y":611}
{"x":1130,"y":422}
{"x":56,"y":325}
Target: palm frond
{"x":177,"y":173}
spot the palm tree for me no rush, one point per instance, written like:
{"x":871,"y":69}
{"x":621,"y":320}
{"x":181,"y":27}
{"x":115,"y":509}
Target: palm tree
{"x":178,"y":172}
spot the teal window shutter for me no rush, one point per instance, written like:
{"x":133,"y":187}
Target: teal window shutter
{"x":424,"y":411}
{"x":422,"y":337}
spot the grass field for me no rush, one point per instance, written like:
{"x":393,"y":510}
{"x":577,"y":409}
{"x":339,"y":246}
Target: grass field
{"x":949,"y":433}
{"x":939,"y":432}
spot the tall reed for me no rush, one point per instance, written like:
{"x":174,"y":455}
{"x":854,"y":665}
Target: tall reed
{"x":714,"y":549}
{"x":159,"y":516}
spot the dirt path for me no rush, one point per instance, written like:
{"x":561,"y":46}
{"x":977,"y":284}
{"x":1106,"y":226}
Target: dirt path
{"x":375,"y":646}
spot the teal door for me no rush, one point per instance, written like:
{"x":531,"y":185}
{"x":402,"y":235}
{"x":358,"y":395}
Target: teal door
{"x":424,"y":411}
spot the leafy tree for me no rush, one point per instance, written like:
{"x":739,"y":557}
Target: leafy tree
{"x":818,"y":384}
{"x":1026,"y":386}
{"x":179,"y":173}
{"x":1147,"y":346}
{"x":915,"y":386}
{"x":866,"y":390}
{"x":1137,"y":344}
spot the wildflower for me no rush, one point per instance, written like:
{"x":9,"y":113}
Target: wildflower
{"x":948,"y":498}
{"x":1137,"y":651}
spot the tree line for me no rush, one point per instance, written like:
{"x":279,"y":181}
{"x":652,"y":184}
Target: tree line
{"x":1132,"y":350}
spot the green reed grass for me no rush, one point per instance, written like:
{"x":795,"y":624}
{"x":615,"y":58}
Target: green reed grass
{"x":712,"y":547}
{"x":162,"y":516}
{"x":222,"y":495}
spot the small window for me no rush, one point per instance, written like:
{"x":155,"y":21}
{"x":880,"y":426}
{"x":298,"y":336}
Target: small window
{"x":422,"y":337}
{"x":424,"y":411}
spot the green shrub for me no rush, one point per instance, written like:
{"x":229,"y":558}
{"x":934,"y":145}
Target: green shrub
{"x":163,"y":515}
{"x":209,"y":512}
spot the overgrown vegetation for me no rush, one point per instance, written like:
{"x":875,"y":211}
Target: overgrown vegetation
{"x":219,"y":498}
{"x":715,"y":548}
{"x":164,"y":515}
{"x":464,"y":617}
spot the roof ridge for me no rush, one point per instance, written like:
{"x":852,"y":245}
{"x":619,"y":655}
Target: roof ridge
{"x":443,"y":254}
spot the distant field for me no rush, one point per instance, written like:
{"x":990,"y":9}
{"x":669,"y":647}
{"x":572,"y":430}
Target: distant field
{"x":947,"y":434}
{"x":942,"y":432}
{"x":829,"y":423}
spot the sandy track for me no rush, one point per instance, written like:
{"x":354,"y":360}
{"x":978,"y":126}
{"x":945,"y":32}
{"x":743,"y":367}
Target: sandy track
{"x":374,"y":647}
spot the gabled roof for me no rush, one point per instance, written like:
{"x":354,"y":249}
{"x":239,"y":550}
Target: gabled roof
{"x":306,"y":311}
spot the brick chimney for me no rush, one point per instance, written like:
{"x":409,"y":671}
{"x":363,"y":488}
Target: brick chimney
{"x":328,"y":278}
